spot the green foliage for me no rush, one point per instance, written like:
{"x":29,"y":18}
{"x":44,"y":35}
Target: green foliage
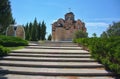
{"x":105,"y":50}
{"x":3,"y":51}
{"x":35,"y":31}
{"x":43,"y":30}
{"x":113,"y":30}
{"x":94,"y":35}
{"x":104,"y":35}
{"x":50,"y":37}
{"x":12,"y":41}
{"x":80,"y":34}
{"x":5,"y":15}
{"x":39,"y":31}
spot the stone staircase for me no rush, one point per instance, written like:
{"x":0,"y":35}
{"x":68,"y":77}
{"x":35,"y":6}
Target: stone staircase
{"x":59,"y":60}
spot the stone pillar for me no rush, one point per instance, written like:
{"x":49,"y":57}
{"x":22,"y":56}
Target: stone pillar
{"x":20,"y":32}
{"x":10,"y":31}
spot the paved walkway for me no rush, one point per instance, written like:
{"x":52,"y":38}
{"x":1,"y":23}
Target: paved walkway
{"x":60,"y":60}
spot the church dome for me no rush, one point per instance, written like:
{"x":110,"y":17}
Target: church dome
{"x":69,"y":16}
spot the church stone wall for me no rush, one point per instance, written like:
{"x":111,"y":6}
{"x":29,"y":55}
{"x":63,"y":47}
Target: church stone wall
{"x":63,"y":30}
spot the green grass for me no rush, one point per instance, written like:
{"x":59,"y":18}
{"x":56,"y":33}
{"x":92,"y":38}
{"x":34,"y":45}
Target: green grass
{"x":16,"y":48}
{"x":41,"y":42}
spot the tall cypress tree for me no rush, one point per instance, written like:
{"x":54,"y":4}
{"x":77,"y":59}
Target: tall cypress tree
{"x":5,"y":15}
{"x":39,"y":31}
{"x":30,"y":31}
{"x":43,"y":30}
{"x":27,"y":32}
{"x":34,"y":30}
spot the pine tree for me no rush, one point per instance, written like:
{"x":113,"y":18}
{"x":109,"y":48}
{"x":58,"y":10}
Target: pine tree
{"x":5,"y":15}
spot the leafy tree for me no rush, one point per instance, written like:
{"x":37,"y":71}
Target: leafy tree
{"x":94,"y":35}
{"x":80,"y":34}
{"x":5,"y":15}
{"x":113,"y":30}
{"x":104,"y":35}
{"x":50,"y":37}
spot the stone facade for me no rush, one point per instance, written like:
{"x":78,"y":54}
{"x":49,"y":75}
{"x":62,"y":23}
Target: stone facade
{"x":63,"y":30}
{"x":16,"y":30}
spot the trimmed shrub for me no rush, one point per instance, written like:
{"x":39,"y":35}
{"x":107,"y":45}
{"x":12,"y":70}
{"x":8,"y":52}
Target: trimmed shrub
{"x":105,"y":50}
{"x":3,"y":51}
{"x":9,"y":41}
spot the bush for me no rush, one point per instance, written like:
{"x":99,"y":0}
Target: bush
{"x":105,"y":50}
{"x":3,"y":51}
{"x":80,"y":34}
{"x":9,"y":41}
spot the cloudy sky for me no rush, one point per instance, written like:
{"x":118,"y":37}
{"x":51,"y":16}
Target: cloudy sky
{"x":97,"y":14}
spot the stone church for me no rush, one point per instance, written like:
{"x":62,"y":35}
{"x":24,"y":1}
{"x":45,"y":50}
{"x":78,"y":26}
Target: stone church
{"x":64,"y":29}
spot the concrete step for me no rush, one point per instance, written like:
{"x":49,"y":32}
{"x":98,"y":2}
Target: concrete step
{"x":54,"y":71}
{"x":54,"y":44}
{"x":50,"y":55}
{"x":14,"y":76}
{"x":47,"y":47}
{"x":39,"y":52}
{"x":51,"y":51}
{"x":51,"y":64}
{"x":43,"y":59}
{"x":48,"y":58}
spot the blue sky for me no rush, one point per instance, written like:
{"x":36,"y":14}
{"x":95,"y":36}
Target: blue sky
{"x":97,"y":14}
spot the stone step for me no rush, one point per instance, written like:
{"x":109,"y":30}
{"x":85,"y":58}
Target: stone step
{"x":14,"y":76}
{"x":39,"y":52}
{"x":47,"y":47}
{"x":51,"y":51}
{"x":60,"y":44}
{"x":43,"y":60}
{"x":54,"y":71}
{"x":48,"y":58}
{"x":51,"y":64}
{"x":53,"y":45}
{"x":50,"y":55}
{"x":51,"y":60}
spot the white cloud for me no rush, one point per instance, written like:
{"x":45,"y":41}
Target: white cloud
{"x":107,"y":19}
{"x":54,"y":21}
{"x":96,"y":24}
{"x":104,"y":19}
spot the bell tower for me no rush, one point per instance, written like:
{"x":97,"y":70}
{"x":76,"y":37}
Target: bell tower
{"x":69,"y":16}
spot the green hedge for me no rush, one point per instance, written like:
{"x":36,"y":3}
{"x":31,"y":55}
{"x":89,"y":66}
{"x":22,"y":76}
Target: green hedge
{"x":9,"y":41}
{"x":105,"y":50}
{"x":3,"y":51}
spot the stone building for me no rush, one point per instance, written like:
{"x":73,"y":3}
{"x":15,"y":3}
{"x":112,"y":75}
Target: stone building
{"x":16,"y":30}
{"x":64,"y":29}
